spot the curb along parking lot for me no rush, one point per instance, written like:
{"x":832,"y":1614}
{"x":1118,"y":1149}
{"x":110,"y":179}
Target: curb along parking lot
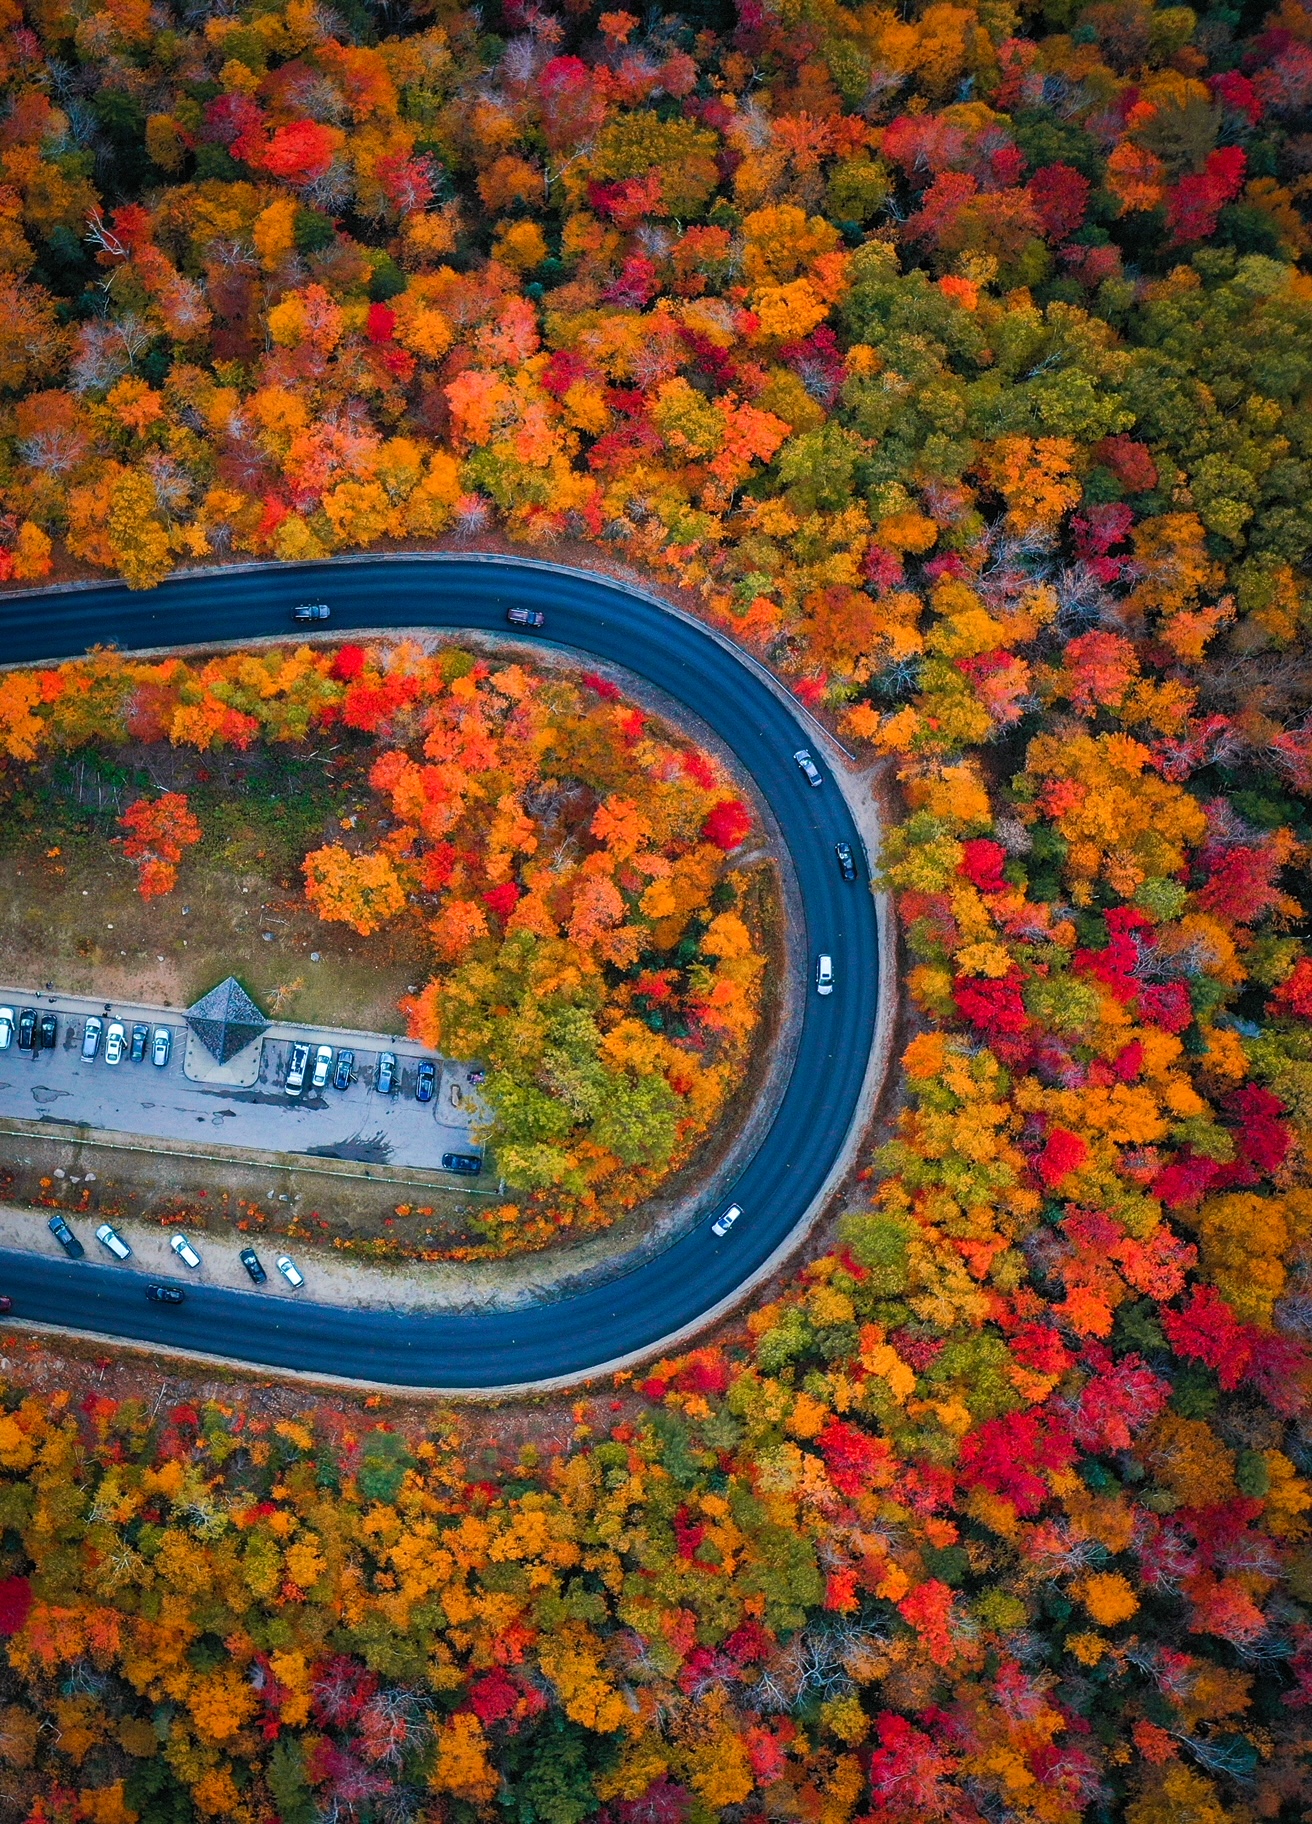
{"x":810,"y":1141}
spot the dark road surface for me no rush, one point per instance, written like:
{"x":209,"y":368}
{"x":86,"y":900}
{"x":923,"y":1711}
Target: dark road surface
{"x":661,"y":1296}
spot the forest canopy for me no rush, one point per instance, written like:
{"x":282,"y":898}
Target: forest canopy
{"x":956,"y":358}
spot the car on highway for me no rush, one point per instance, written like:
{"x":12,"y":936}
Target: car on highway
{"x":140,"y":1040}
{"x":385,"y":1082}
{"x":161,"y":1046}
{"x":808,"y":766}
{"x":726,"y":1222}
{"x":311,"y":611}
{"x":253,"y":1265}
{"x":300,"y":1063}
{"x":425,"y":1080}
{"x":846,"y":865}
{"x":6,"y":1028}
{"x":469,"y":1165}
{"x":115,"y":1042}
{"x":824,"y":974}
{"x":345,"y":1066}
{"x":290,"y":1271}
{"x":166,"y":1295}
{"x":323,"y":1063}
{"x":67,"y":1240}
{"x":111,"y":1239}
{"x":48,"y":1031}
{"x":185,"y":1252}
{"x":91,"y":1035}
{"x":526,"y":617}
{"x":27,"y":1029}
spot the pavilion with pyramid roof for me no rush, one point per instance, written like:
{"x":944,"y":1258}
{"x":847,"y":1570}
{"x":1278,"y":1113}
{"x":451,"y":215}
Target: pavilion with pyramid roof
{"x":226,"y":1020}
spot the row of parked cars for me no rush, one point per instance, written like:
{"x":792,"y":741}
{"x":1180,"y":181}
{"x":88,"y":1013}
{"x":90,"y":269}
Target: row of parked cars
{"x":300,"y":1071}
{"x":118,"y":1045}
{"x":113,"y":1243}
{"x":312,"y":1066}
{"x":36,"y":1031}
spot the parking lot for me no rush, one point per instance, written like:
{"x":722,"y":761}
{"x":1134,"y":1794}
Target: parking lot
{"x":60,"y":1087}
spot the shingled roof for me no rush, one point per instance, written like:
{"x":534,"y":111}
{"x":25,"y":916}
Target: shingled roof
{"x":226,"y":1020}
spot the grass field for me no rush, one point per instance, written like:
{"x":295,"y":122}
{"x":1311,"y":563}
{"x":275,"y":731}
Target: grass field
{"x":70,"y":913}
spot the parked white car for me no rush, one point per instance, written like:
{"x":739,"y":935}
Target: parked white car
{"x":296,"y":1070}
{"x":290,"y":1271}
{"x":116,"y":1039}
{"x":185,"y":1252}
{"x":111,"y":1239}
{"x":6,"y":1028}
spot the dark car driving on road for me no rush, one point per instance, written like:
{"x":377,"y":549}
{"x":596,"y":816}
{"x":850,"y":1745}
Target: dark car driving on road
{"x":67,"y":1240}
{"x":846,"y":865}
{"x":425,"y":1080}
{"x":526,"y":617}
{"x":166,"y":1295}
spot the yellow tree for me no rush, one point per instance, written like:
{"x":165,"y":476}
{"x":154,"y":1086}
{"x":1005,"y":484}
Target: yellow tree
{"x":362,"y":891}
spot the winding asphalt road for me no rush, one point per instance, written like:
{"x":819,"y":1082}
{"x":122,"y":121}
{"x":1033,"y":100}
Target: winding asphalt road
{"x":664,"y":1295}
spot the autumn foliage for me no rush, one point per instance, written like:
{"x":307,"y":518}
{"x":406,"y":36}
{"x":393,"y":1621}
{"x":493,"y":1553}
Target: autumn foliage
{"x":957,"y":357}
{"x":161,"y":829}
{"x":572,"y":865}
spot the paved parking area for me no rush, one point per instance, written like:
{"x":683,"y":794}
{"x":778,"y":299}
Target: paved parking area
{"x":60,"y":1087}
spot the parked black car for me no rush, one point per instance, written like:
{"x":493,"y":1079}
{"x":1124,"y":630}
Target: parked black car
{"x":345,"y":1065}
{"x":425,"y":1080}
{"x":67,"y":1240}
{"x":27,"y":1029}
{"x":251,"y":1261}
{"x":166,"y":1295}
{"x":140,"y":1040}
{"x":468,"y":1164}
{"x":49,"y":1032}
